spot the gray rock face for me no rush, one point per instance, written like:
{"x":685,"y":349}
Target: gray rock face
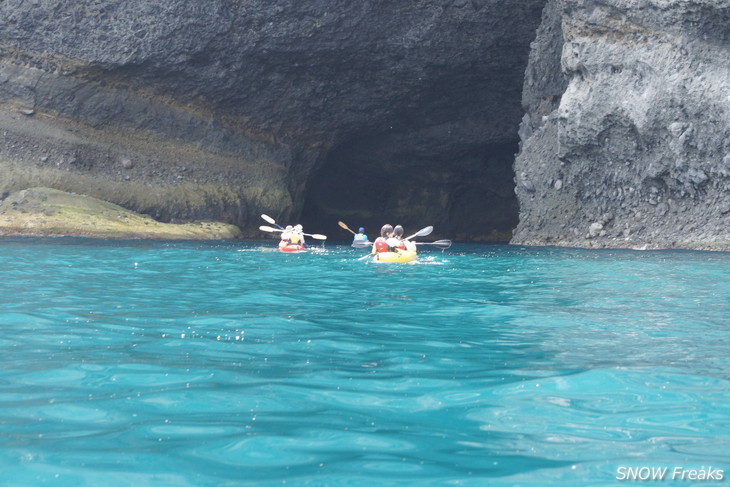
{"x":226,"y":109}
{"x":626,"y":139}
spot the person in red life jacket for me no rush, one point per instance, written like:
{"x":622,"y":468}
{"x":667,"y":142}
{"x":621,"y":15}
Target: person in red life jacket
{"x":396,"y":242}
{"x":381,"y":243}
{"x":403,"y":244}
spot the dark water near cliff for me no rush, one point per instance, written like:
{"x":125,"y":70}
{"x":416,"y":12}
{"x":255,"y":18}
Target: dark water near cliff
{"x":226,"y":364}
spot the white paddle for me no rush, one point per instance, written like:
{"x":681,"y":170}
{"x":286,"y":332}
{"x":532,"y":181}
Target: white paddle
{"x":271,"y":220}
{"x":361,"y":244}
{"x":316,"y":236}
{"x":421,"y":233}
{"x":442,"y":244}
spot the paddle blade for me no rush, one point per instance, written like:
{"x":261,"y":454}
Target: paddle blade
{"x":421,"y":233}
{"x":442,"y":244}
{"x":342,"y":225}
{"x":318,"y":236}
{"x":269,"y":219}
{"x":361,"y":244}
{"x":268,"y":229}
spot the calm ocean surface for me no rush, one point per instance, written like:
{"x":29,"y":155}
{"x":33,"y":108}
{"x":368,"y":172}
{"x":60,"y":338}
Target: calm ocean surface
{"x":231,"y":364}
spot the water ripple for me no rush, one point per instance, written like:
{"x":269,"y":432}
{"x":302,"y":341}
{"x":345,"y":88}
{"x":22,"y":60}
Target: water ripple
{"x":215,"y":364}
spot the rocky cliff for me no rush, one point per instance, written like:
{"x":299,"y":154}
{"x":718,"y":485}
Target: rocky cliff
{"x":626,"y":140}
{"x":322,"y":110}
{"x":375,"y":111}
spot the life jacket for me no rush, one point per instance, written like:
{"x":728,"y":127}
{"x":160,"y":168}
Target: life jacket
{"x":381,"y":245}
{"x":395,"y":243}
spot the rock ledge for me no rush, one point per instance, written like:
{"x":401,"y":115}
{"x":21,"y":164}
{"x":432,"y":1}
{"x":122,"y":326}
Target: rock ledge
{"x":45,"y":212}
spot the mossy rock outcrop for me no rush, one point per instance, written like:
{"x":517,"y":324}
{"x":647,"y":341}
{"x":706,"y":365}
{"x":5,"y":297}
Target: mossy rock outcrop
{"x":49,"y":212}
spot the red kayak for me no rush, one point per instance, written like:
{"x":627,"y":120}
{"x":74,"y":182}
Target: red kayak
{"x":285,"y":246}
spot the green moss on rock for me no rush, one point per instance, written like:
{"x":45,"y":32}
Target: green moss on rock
{"x":50,"y":212}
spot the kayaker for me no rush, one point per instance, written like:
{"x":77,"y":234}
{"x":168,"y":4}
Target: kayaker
{"x":287,"y":233}
{"x":405,"y":244}
{"x":293,"y":235}
{"x":381,"y":243}
{"x":297,"y":235}
{"x":395,"y":242}
{"x":360,"y":236}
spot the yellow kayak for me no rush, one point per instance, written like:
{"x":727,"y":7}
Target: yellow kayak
{"x":399,"y":257}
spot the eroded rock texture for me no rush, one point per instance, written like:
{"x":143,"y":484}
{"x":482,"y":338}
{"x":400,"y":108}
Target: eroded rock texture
{"x":626,"y":141}
{"x":367,"y":111}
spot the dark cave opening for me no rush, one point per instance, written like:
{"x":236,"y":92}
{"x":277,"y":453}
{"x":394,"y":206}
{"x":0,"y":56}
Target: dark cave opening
{"x":465,"y":191}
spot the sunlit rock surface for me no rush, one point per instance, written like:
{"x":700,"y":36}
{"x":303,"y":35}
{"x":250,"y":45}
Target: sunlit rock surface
{"x":45,"y":212}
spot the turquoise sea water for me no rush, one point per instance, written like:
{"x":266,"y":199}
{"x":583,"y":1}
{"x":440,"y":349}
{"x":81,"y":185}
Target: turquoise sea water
{"x":230,"y":364}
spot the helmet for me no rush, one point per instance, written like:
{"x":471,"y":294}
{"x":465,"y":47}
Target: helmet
{"x":361,"y":229}
{"x":298,"y":228}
